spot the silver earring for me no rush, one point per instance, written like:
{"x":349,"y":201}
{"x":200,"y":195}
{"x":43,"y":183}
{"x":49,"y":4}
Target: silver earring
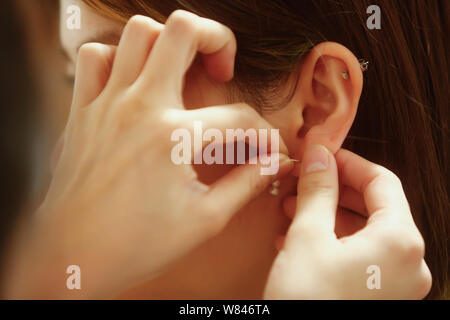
{"x":274,"y":190}
{"x":363,"y":64}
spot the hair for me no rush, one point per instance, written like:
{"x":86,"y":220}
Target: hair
{"x":402,"y":121}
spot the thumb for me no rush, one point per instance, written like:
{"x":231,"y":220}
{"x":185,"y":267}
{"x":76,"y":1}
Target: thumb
{"x":317,"y":194}
{"x":243,"y":184}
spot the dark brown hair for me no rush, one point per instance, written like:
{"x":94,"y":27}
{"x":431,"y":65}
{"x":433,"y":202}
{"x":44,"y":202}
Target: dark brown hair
{"x":402,"y":121}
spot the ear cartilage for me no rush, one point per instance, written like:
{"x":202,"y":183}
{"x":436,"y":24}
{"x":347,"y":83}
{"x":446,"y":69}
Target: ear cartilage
{"x":364,"y":65}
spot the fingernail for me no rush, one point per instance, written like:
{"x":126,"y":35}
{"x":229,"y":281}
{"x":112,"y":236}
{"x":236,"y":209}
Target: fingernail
{"x":315,"y":159}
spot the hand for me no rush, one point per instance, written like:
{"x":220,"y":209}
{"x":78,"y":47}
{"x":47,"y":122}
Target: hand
{"x":118,"y":206}
{"x":314,"y":263}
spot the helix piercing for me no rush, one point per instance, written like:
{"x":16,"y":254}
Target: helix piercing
{"x":364,"y":65}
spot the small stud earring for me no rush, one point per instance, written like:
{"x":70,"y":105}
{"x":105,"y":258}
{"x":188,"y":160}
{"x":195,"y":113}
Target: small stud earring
{"x":274,"y":190}
{"x":345,"y":75}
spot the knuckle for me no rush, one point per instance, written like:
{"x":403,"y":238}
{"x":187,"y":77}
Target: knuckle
{"x":388,"y":175}
{"x":138,"y":21}
{"x":172,"y":119}
{"x":413,"y":247}
{"x":139,"y":24}
{"x":393,"y":178}
{"x":242,"y":106}
{"x":389,"y":239}
{"x":245,"y":111}
{"x":408,"y":246}
{"x":164,"y":130}
{"x":417,"y":247}
{"x":182,"y":21}
{"x":87,"y":50}
{"x":94,"y":54}
{"x":416,"y":250}
{"x":381,"y":170}
{"x":425,"y":283}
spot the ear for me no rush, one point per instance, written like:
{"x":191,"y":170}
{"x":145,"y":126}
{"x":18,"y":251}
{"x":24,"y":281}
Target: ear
{"x":326,"y":99}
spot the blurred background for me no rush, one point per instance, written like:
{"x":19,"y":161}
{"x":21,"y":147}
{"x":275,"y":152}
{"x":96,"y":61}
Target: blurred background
{"x":35,"y":100}
{"x":40,"y":22}
{"x":33,"y":28}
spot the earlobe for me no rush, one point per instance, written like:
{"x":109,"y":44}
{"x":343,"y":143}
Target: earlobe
{"x":329,"y":88}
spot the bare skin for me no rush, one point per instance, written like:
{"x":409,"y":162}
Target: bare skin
{"x":235,"y":263}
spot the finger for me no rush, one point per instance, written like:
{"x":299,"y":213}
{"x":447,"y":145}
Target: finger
{"x":289,"y":206}
{"x":92,"y":72}
{"x":231,"y":192}
{"x":135,"y":45}
{"x":239,"y":116}
{"x":184,"y":35}
{"x":382,"y":190}
{"x":317,"y":197}
{"x":348,"y":199}
{"x":424,"y":281}
{"x":347,"y":223}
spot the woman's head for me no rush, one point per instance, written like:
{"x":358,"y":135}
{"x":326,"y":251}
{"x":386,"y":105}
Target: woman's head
{"x":289,"y":65}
